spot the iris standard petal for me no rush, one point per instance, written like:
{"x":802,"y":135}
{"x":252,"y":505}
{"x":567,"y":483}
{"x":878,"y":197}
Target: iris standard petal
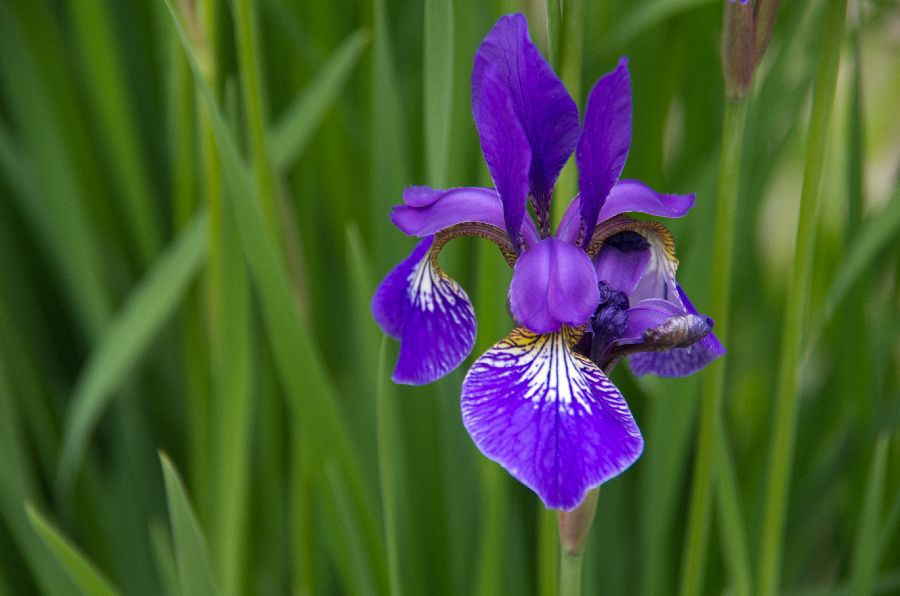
{"x":626,"y":196}
{"x":549,"y":416}
{"x":678,"y":362}
{"x":554,"y":284}
{"x":505,"y":149}
{"x":604,"y":142}
{"x":542,"y":106}
{"x":429,"y":313}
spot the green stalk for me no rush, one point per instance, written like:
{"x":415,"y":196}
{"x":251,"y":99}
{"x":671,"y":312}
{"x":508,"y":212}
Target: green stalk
{"x":255,"y":109}
{"x":714,"y":380}
{"x":570,"y":574}
{"x":783,"y":438}
{"x":574,"y":529}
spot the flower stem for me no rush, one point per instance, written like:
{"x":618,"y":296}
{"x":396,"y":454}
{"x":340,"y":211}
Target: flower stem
{"x":570,"y":574}
{"x":574,"y":527}
{"x":713,"y":381}
{"x":785,"y":423}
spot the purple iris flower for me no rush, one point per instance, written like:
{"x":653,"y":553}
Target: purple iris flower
{"x":601,"y":288}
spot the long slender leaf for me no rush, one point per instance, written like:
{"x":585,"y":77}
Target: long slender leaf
{"x":83,"y":572}
{"x":311,"y":393}
{"x":289,"y":136}
{"x":385,"y":422}
{"x":389,"y":160}
{"x":195,"y":573}
{"x":93,"y":24}
{"x":17,"y":485}
{"x":437,"y":87}
{"x":126,"y":339}
{"x":646,"y":16}
{"x":865,"y":556}
{"x":872,"y":240}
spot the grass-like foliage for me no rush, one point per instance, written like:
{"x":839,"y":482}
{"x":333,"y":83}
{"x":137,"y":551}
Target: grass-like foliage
{"x":194,"y":200}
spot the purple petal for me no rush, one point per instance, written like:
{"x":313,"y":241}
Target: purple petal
{"x":549,"y":416}
{"x":542,"y":106}
{"x":621,"y":269}
{"x":604,"y":142}
{"x":554,"y":284}
{"x":505,"y":149}
{"x":679,"y":362}
{"x":626,"y":196}
{"x":427,"y":211}
{"x":429,"y":313}
{"x":390,"y":300}
{"x":633,"y":195}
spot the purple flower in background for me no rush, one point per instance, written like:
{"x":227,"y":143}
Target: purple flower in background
{"x":601,"y":288}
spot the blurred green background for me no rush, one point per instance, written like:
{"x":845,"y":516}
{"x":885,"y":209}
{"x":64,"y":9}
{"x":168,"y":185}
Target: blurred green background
{"x":188,"y":250}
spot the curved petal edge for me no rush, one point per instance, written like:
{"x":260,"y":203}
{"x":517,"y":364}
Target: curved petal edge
{"x":549,"y":416}
{"x":429,"y":313}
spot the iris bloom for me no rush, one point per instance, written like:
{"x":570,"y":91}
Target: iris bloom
{"x":599,"y":289}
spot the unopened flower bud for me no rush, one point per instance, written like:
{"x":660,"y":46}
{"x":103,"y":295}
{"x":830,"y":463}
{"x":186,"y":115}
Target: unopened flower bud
{"x":763,"y":22}
{"x":738,"y":47}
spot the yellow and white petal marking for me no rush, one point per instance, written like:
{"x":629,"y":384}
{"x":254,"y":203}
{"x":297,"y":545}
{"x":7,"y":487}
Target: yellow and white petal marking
{"x":658,"y":280}
{"x":438,"y":327}
{"x":549,"y":416}
{"x":430,"y":288}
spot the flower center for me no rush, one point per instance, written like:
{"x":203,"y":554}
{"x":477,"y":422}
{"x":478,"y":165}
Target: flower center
{"x":627,"y":241}
{"x":610,"y":321}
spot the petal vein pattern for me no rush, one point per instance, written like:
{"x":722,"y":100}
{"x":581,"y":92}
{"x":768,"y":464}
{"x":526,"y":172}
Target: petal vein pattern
{"x":549,"y":416}
{"x":431,"y":315}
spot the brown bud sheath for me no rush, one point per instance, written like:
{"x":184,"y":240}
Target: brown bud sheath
{"x":738,"y":48}
{"x":575,"y":525}
{"x":763,"y":20}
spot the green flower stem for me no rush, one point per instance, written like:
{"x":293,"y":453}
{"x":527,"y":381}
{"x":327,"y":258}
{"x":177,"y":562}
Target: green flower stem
{"x":570,"y":574}
{"x":714,"y":379}
{"x":574,"y":528}
{"x":785,"y":424}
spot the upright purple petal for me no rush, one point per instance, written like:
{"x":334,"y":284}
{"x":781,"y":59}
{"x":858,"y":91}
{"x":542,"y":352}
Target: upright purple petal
{"x":625,"y":197}
{"x":505,"y":149}
{"x":541,"y":104}
{"x":554,"y":284}
{"x":429,"y":313}
{"x":604,"y":142}
{"x":678,"y":362}
{"x":549,"y":416}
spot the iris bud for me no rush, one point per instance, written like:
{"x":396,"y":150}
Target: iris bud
{"x":738,"y":53}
